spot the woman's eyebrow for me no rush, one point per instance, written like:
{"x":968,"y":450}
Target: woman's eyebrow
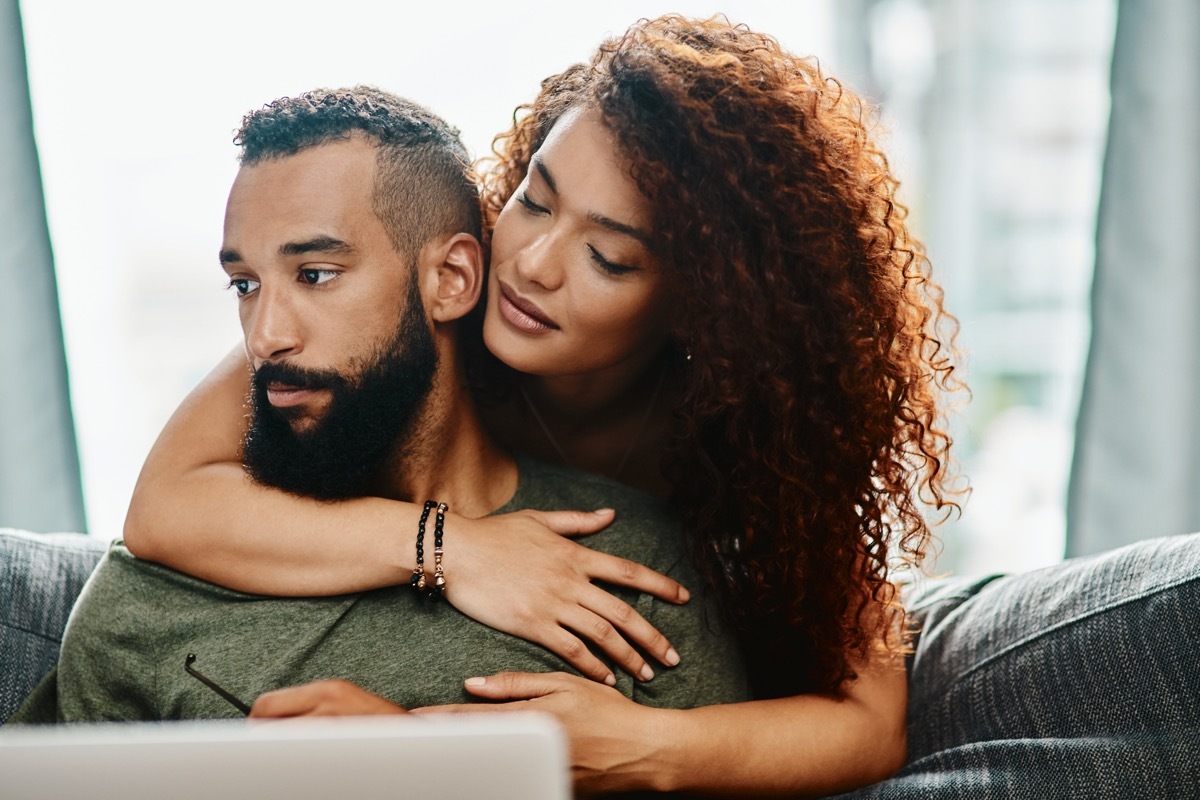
{"x":540,"y":166}
{"x":619,"y":227}
{"x":601,"y":220}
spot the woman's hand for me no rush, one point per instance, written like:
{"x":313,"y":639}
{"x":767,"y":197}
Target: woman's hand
{"x":330,"y":698}
{"x":517,"y":573}
{"x":612,"y":739}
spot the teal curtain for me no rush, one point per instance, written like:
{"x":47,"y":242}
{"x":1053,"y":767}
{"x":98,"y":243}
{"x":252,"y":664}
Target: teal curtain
{"x":39,"y":463}
{"x":1136,"y":472}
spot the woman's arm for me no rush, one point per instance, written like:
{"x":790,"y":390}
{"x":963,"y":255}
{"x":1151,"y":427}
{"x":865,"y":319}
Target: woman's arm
{"x":802,"y":746}
{"x":196,"y":510}
{"x":810,"y":745}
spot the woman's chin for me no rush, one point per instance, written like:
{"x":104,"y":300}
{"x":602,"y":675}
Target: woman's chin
{"x":526,"y":357}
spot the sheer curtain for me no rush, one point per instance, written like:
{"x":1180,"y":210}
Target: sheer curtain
{"x":1136,"y":472}
{"x":39,"y":465}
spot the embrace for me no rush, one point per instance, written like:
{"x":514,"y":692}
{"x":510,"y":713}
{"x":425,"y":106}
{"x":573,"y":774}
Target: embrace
{"x":678,"y":314}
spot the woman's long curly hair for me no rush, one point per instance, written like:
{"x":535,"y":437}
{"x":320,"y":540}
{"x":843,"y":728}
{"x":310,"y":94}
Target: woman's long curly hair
{"x":809,"y":436}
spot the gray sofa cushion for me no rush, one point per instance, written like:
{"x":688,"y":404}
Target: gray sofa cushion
{"x":1076,"y":681}
{"x":40,"y":577}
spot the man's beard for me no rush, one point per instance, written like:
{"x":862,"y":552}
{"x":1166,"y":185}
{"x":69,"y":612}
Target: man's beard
{"x":366,"y":422}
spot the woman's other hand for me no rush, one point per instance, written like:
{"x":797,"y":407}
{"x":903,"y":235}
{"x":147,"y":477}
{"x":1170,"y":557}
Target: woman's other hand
{"x":330,"y":698}
{"x":612,"y":739}
{"x":519,"y":574}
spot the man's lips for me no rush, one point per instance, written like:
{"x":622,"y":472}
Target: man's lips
{"x":282,"y":395}
{"x":522,"y":314}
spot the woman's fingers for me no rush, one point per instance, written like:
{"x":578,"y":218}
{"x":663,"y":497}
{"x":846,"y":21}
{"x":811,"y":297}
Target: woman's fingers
{"x":600,"y":631}
{"x":620,"y":571}
{"x":623,"y":572}
{"x":474,"y":708}
{"x":519,"y":685}
{"x":574,"y":523}
{"x":560,"y":608}
{"x":633,"y":626}
{"x":571,"y":649}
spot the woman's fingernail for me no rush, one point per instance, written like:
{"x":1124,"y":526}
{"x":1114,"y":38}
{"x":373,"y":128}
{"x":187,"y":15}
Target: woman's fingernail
{"x":647,"y":673}
{"x":684,"y":595}
{"x":475,"y":682}
{"x":610,"y":679}
{"x":603,"y":511}
{"x":672,"y":657}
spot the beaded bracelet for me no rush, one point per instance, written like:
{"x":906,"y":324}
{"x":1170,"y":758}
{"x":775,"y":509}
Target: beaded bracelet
{"x":439,"y":579}
{"x":419,"y":580}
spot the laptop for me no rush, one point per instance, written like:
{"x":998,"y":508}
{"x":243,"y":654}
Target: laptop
{"x":494,"y":756}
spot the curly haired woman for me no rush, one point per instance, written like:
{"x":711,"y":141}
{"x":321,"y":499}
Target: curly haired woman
{"x":776,"y":371}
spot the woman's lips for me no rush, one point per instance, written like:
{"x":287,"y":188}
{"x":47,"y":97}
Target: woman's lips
{"x":522,"y":314}
{"x":281,"y":395}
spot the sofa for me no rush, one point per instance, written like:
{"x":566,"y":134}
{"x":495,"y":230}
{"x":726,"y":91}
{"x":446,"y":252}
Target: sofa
{"x":1077,"y":681}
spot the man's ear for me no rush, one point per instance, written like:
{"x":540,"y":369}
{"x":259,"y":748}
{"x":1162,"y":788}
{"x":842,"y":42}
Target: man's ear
{"x":454,"y":276}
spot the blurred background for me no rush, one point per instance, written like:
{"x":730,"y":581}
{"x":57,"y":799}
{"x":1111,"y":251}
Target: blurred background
{"x":995,"y":113}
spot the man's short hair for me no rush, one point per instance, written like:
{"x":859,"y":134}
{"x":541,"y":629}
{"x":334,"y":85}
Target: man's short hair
{"x":423,"y":185}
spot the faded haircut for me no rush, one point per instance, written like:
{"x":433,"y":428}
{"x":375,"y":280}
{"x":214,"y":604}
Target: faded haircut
{"x":423,"y":185}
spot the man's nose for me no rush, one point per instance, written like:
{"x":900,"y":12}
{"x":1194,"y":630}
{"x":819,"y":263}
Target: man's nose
{"x":540,"y":261}
{"x":272,"y":327}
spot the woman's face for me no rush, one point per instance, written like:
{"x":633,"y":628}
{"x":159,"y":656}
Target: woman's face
{"x":573,"y":288}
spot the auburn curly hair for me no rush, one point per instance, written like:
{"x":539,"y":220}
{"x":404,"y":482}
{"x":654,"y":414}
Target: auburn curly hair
{"x":810,"y":435}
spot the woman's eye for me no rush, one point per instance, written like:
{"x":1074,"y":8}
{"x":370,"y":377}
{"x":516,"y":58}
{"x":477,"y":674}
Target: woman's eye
{"x":608,"y":266}
{"x":530,"y":206}
{"x":243,"y":286}
{"x":315,"y":276}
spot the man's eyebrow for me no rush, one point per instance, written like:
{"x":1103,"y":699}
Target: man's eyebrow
{"x":317,"y":244}
{"x":229,"y":257}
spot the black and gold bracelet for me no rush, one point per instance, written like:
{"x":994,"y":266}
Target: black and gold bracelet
{"x":420,"y":581}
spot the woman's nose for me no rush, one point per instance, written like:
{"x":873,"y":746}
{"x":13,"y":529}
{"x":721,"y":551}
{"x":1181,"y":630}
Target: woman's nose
{"x":540,"y":260}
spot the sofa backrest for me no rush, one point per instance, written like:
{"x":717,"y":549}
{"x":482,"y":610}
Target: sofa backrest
{"x":41,"y":574}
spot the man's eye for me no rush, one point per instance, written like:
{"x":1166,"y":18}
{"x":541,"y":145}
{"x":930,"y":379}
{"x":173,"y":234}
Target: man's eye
{"x":243,"y":286}
{"x":315,"y":276}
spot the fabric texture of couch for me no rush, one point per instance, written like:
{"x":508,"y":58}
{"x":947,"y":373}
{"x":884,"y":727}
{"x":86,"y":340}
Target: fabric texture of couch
{"x":40,"y":577}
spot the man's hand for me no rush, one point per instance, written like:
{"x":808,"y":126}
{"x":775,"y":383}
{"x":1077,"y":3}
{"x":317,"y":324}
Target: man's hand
{"x":331,"y":698}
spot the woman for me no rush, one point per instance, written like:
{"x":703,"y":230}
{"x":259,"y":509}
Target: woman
{"x":778,"y":353}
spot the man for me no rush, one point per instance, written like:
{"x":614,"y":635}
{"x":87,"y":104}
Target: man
{"x":351,"y":239}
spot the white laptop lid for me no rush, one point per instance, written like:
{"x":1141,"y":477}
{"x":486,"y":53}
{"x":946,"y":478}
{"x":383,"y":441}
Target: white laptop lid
{"x":494,"y":756}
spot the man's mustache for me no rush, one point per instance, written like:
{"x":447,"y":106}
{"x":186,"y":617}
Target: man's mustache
{"x":281,"y":372}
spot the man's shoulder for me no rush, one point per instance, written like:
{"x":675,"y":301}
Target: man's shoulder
{"x":545,"y":484}
{"x":644,"y":527}
{"x":121,"y":577}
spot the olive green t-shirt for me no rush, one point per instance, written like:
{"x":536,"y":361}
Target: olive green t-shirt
{"x":135,"y":622}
